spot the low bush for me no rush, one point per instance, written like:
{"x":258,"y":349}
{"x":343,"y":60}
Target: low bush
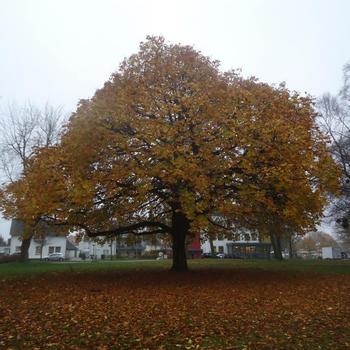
{"x":9,"y":258}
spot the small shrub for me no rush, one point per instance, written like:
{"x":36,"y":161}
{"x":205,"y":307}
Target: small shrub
{"x":9,"y":258}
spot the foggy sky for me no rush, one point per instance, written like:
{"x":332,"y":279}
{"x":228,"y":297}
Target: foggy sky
{"x":61,"y":51}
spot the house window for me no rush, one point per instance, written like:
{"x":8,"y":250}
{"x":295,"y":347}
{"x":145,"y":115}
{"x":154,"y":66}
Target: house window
{"x":215,"y":249}
{"x":18,"y":249}
{"x":54,"y":250}
{"x":221,"y":249}
{"x":37,"y":250}
{"x":250,"y":250}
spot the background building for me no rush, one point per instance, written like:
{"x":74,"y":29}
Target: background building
{"x":49,"y":242}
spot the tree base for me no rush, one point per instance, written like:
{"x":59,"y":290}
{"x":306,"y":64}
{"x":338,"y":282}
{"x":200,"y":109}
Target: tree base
{"x":179,"y":269}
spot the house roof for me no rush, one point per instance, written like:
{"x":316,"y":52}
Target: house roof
{"x":70,"y":246}
{"x":17,"y":227}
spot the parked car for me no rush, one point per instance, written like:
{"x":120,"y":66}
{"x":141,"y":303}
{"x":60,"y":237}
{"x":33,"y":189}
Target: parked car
{"x":54,"y":257}
{"x":208,"y":256}
{"x":213,"y":256}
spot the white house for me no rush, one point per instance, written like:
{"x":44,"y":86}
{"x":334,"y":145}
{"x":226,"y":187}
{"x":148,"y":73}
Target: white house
{"x":244,"y":244}
{"x":40,"y":247}
{"x":90,"y":248}
{"x":245,"y":249}
{"x":220,"y":246}
{"x":111,"y":247}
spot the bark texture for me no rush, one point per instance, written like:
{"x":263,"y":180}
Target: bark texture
{"x":180,"y":225}
{"x":276,"y":244}
{"x":25,"y":248}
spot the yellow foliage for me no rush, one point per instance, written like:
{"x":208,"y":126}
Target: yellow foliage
{"x":170,"y":132}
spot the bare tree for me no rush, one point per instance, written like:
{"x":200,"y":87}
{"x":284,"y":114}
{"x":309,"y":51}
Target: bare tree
{"x":2,"y":241}
{"x":23,"y":129}
{"x":334,"y":118}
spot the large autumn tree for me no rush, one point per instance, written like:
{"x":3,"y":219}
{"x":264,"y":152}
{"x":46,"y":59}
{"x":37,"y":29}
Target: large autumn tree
{"x":173,"y":145}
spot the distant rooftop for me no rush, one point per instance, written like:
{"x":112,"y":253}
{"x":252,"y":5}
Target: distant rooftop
{"x":17,"y":228}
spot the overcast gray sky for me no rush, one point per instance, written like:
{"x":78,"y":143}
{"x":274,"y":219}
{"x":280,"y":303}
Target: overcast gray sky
{"x":61,"y":51}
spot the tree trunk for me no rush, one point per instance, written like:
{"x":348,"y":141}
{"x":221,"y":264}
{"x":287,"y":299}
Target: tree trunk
{"x":276,"y":244}
{"x":41,"y":249}
{"x":212,"y":248}
{"x":180,"y":225}
{"x":117,"y":247}
{"x":291,"y":253}
{"x":25,"y":248}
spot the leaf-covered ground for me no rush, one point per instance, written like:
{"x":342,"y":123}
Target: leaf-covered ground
{"x":203,"y":309}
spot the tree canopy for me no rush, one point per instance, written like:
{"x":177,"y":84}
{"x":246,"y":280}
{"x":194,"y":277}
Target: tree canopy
{"x":170,"y":144}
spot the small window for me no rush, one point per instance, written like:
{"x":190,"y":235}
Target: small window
{"x":57,"y":249}
{"x":37,"y":250}
{"x":251,"y":250}
{"x":221,"y":249}
{"x":51,"y":250}
{"x":18,"y":249}
{"x":215,"y":249}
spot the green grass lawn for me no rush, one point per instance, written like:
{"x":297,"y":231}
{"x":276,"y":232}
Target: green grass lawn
{"x":33,"y":268}
{"x":10,"y":270}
